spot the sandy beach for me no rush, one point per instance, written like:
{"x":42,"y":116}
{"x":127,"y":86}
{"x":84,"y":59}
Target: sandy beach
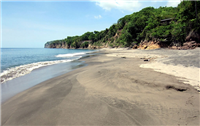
{"x":116,"y":88}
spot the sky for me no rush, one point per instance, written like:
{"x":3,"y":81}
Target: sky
{"x":32,"y":23}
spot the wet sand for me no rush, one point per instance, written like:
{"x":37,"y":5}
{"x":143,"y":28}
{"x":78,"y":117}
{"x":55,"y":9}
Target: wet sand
{"x":111,"y":90}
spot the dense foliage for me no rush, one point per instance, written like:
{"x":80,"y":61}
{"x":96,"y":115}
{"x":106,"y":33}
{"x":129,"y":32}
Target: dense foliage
{"x":163,"y":24}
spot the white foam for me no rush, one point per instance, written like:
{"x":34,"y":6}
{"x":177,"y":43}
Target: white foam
{"x":75,"y":54}
{"x":22,"y":70}
{"x":70,"y":54}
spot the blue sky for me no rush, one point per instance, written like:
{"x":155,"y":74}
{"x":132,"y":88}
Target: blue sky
{"x":30,"y":24}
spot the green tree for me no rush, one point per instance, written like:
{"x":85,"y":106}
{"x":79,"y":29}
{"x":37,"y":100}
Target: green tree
{"x":92,"y":37}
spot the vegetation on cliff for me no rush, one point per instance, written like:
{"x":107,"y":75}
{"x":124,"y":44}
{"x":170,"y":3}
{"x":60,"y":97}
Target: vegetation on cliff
{"x":167,"y":24}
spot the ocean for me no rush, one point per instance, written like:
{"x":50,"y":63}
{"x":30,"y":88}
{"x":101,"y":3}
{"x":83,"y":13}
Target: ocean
{"x":22,"y":68}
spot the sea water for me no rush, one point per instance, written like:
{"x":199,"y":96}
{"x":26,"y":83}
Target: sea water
{"x":22,"y":68}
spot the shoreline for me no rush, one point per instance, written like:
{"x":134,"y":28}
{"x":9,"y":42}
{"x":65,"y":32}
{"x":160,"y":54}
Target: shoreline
{"x":19,"y":84}
{"x":110,"y":90}
{"x":14,"y":71}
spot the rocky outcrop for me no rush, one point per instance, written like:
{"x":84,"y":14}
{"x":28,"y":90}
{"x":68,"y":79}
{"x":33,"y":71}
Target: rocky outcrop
{"x":135,"y":46}
{"x":193,"y":36}
{"x":65,"y":46}
{"x":187,"y":45}
{"x":56,"y":45}
{"x":149,"y":45}
{"x":190,"y":45}
{"x":47,"y":45}
{"x":90,"y":46}
{"x":192,"y":41}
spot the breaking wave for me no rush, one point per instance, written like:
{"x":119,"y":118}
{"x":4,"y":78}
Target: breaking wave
{"x":75,"y":54}
{"x":70,"y":54}
{"x":22,"y":70}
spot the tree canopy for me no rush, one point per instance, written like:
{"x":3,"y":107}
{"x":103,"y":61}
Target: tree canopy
{"x":147,"y":24}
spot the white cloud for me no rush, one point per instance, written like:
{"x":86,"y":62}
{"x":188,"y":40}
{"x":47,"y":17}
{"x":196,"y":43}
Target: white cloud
{"x":173,"y":3}
{"x":98,"y":17}
{"x":128,"y":5}
{"x":158,"y":0}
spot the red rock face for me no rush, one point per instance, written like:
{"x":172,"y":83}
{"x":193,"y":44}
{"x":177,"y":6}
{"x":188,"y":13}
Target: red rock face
{"x":149,"y":45}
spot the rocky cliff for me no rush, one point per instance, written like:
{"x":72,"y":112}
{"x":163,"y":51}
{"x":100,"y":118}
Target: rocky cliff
{"x":47,"y":45}
{"x":56,"y":45}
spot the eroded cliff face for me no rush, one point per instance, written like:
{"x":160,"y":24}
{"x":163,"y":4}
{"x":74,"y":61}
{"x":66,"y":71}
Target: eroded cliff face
{"x":97,"y":47}
{"x":59,"y":45}
{"x":65,"y":46}
{"x":149,"y":45}
{"x":47,"y":45}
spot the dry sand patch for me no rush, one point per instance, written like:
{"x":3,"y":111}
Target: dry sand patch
{"x":157,"y":58}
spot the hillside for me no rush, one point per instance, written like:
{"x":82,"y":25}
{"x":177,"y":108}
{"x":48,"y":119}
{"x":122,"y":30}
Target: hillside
{"x":164,"y":26}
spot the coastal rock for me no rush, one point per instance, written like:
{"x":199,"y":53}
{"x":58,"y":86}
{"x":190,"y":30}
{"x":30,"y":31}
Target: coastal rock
{"x":149,"y":45}
{"x":135,"y":47}
{"x":153,"y":46}
{"x":190,"y":45}
{"x":61,"y":45}
{"x":64,"y":46}
{"x":193,"y":36}
{"x":47,"y":45}
{"x":97,"y":47}
{"x":90,"y":46}
{"x":174,"y":47}
{"x":187,"y":45}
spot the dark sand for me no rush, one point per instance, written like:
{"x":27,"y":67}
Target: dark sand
{"x":109,"y":91}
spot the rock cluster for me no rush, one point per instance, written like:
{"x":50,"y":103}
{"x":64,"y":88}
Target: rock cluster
{"x":148,"y":45}
{"x":190,"y":45}
{"x":192,"y":41}
{"x":193,"y":36}
{"x":187,"y":45}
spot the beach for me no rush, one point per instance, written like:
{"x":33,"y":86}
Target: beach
{"x":118,"y":87}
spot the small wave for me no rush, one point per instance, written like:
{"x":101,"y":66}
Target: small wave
{"x":70,"y":54}
{"x":22,"y":70}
